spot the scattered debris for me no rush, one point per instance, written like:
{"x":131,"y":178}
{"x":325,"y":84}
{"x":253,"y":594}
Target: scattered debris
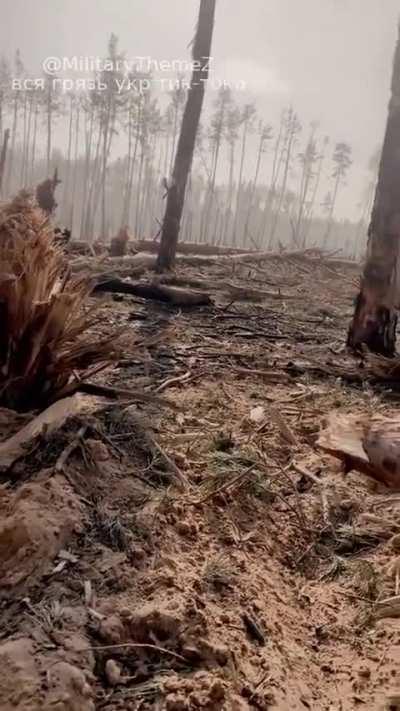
{"x":200,"y":551}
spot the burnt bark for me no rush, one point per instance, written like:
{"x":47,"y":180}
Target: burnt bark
{"x":187,"y":138}
{"x":375,"y":318}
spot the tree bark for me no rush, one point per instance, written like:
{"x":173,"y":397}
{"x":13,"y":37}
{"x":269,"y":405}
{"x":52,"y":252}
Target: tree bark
{"x":375,"y":317}
{"x":187,"y":138}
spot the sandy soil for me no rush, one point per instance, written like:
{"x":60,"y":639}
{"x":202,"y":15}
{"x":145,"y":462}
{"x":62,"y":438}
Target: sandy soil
{"x":179,"y":556}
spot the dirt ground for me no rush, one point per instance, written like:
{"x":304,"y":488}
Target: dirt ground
{"x":192,"y":548}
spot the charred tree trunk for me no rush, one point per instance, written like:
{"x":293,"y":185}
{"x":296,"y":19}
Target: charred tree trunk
{"x":3,"y":156}
{"x":187,"y":138}
{"x":375,"y":318}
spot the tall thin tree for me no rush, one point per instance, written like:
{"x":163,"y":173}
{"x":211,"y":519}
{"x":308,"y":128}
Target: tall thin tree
{"x":342,"y":162}
{"x":217,"y":131}
{"x":3,"y":156}
{"x":248,"y":115}
{"x":292,"y":128}
{"x":187,"y":139}
{"x":265,"y":134}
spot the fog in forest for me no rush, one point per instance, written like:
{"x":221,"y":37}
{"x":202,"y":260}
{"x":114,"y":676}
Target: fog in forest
{"x":290,"y":132}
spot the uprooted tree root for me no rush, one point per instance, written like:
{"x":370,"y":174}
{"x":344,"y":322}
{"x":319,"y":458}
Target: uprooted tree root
{"x":44,"y":312}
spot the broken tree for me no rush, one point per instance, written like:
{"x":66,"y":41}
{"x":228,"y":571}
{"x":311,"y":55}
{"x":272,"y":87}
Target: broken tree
{"x":375,"y":318}
{"x":187,"y":138}
{"x":46,"y":346}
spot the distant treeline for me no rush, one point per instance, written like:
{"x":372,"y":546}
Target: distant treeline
{"x":230,"y":200}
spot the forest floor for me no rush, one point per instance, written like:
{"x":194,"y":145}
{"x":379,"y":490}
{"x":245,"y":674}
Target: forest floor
{"x":199,"y":551}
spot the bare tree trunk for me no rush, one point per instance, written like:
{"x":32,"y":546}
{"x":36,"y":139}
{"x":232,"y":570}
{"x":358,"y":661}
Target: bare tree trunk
{"x":10,"y":169}
{"x":3,"y":156}
{"x":253,"y":189}
{"x":34,"y":140}
{"x":293,"y":128}
{"x":24,"y":139}
{"x":187,"y":138}
{"x":28,"y":139}
{"x":211,"y":192}
{"x":75,"y":172}
{"x":69,"y":151}
{"x":271,"y":190}
{"x":49,"y":119}
{"x":228,"y":209}
{"x":88,"y":153}
{"x":375,"y":318}
{"x":124,"y":215}
{"x":104,"y":176}
{"x":240,"y":184}
{"x":264,"y":136}
{"x":310,"y":210}
{"x":138,"y":226}
{"x":95,"y":177}
{"x":129,"y":218}
{"x":331,"y":212}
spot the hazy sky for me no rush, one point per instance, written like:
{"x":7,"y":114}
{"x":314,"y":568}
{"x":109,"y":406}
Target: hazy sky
{"x":330,"y":58}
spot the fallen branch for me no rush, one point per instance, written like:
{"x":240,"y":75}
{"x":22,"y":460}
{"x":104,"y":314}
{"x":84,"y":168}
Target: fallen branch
{"x":122,"y":393}
{"x":172,"y":381}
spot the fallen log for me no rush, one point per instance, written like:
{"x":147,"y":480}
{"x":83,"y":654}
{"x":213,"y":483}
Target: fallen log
{"x":144,"y":261}
{"x":146,"y":245}
{"x":237,"y":291}
{"x":159,"y":292}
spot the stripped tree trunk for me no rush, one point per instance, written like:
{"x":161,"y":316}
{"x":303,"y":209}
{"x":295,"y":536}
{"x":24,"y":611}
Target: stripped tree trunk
{"x":28,"y":138}
{"x":375,"y":318}
{"x":69,"y":152}
{"x":187,"y":138}
{"x":34,"y":140}
{"x":76,"y":167}
{"x":10,"y":168}
{"x":3,"y":156}
{"x":24,"y":139}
